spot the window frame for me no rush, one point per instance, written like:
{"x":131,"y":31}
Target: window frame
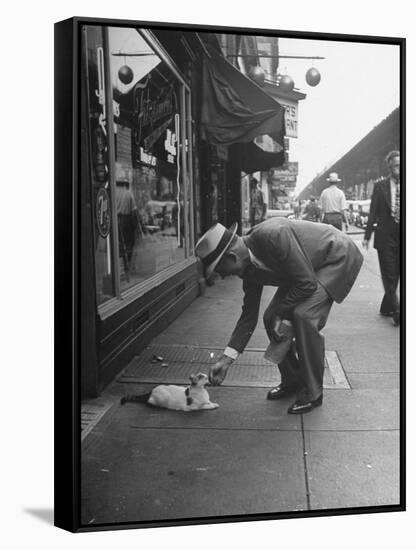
{"x":123,"y":297}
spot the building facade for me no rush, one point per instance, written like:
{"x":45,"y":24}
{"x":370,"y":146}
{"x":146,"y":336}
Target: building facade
{"x":138,"y":265}
{"x":156,"y":170}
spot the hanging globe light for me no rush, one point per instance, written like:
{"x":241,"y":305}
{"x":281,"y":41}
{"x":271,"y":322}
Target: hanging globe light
{"x":125,"y":74}
{"x":313,"y":77}
{"x":286,"y":83}
{"x":257,"y":74}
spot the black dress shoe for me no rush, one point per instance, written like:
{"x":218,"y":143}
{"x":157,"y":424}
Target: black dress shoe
{"x":279,"y":392}
{"x":301,"y":407}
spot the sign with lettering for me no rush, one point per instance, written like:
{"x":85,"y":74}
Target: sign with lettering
{"x":146,"y":158}
{"x":288,"y":169}
{"x":286,"y":179}
{"x":149,"y":110}
{"x":291,"y":117}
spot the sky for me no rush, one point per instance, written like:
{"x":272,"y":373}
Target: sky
{"x":359,"y":87}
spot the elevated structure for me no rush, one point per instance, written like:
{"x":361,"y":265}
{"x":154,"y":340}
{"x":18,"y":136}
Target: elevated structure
{"x":364,"y":164}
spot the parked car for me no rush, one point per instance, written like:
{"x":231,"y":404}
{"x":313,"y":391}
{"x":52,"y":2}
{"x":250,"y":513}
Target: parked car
{"x":159,"y":213}
{"x":358,"y":212}
{"x":273,"y":213}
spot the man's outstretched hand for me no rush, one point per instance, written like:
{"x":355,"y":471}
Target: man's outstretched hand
{"x":218,"y":372}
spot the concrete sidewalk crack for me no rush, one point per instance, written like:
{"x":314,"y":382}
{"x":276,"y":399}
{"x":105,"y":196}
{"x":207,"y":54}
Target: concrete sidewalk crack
{"x":213,"y":428}
{"x":305,"y":465}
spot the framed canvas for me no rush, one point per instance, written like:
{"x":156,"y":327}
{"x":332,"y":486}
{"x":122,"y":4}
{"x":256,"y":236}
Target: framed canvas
{"x":185,"y":154}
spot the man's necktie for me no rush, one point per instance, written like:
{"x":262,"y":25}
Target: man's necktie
{"x":396,"y":210}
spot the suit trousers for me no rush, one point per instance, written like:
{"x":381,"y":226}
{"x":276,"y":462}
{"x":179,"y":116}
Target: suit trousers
{"x":333,"y":218}
{"x":306,"y":370}
{"x":389,"y":261}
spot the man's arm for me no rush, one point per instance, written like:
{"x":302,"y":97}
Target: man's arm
{"x":249,"y":315}
{"x":263,"y":205}
{"x":264,"y":215}
{"x":344,"y":209}
{"x":241,"y":334}
{"x":321,"y":205}
{"x":372,"y":216}
{"x":345,"y":216}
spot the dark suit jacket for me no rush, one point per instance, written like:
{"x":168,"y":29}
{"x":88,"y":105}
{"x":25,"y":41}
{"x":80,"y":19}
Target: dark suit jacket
{"x":380,"y":213}
{"x":299,"y":254}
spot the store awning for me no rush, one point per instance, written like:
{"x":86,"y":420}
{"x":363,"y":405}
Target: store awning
{"x":235,"y":110}
{"x":251,"y":158}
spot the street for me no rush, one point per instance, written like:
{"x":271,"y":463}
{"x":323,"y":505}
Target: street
{"x":249,"y":456}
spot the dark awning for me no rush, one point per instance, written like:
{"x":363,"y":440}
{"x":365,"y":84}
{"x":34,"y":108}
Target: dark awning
{"x":251,"y":158}
{"x":235,"y":111}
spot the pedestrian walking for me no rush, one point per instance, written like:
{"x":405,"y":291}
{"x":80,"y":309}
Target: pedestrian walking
{"x":385,"y":212}
{"x":334,"y":207}
{"x":312,"y":265}
{"x":258,"y":205}
{"x":129,"y":223}
{"x":296,"y":209}
{"x":312,"y":211}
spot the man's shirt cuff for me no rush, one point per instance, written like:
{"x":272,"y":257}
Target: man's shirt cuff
{"x":231,"y":352}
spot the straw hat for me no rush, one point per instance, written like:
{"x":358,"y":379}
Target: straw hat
{"x":213,"y":244}
{"x":333,"y":178}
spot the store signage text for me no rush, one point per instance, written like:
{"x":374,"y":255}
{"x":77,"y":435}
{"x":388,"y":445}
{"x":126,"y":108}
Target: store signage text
{"x":116,"y":108}
{"x":285,"y":179}
{"x":151,"y":139}
{"x":146,"y":158}
{"x":170,"y":145}
{"x":289,"y":168}
{"x":153,"y":112}
{"x":150,"y":111}
{"x":291,"y":117}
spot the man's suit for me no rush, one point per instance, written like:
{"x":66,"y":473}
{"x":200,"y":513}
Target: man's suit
{"x":313,"y":264}
{"x":258,"y":207}
{"x":386,"y":242}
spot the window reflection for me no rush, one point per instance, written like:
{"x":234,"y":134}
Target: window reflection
{"x":148,"y":171}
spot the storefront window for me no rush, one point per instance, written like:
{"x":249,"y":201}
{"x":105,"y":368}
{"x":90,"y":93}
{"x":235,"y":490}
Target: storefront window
{"x":150,"y":168}
{"x":101,"y":192}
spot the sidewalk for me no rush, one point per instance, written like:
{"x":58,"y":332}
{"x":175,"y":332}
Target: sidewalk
{"x":249,"y":456}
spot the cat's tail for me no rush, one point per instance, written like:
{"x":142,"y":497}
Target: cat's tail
{"x":134,"y":398}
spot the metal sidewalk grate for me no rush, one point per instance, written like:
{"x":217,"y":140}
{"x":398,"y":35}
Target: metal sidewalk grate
{"x":250,"y":369}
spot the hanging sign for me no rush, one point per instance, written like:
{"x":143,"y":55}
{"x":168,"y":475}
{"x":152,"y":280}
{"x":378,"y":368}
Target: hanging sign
{"x":288,"y":169}
{"x":291,"y":117}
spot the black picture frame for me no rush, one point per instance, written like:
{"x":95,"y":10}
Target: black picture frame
{"x":72,"y":250}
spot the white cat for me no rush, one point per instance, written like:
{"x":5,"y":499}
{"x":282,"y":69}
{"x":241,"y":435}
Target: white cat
{"x":178,"y":398}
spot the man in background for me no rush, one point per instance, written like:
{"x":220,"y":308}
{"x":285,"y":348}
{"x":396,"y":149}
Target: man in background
{"x":258,"y":205}
{"x":128,"y":218}
{"x":312,"y":211}
{"x":385,"y":212}
{"x":334,"y":207}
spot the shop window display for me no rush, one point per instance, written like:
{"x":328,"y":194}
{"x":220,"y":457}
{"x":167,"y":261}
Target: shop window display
{"x":149,"y":174}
